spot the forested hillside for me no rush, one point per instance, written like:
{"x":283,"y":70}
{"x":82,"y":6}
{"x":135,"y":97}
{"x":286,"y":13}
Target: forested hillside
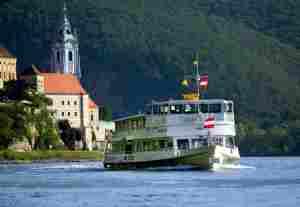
{"x":133,"y":51}
{"x":278,"y":18}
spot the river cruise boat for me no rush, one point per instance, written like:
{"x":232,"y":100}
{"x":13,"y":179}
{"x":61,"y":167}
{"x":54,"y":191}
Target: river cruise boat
{"x":193,"y":133}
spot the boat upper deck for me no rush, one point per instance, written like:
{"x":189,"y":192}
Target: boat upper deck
{"x":220,"y":108}
{"x":205,"y":106}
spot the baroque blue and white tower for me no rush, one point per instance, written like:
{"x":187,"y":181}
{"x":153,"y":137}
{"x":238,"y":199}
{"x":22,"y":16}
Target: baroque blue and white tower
{"x":65,"y":56}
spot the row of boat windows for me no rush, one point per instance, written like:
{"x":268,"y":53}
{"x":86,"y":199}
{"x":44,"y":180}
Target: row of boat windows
{"x":134,"y":146}
{"x":184,"y":144}
{"x":141,"y":146}
{"x":190,"y":108}
{"x":131,"y":124}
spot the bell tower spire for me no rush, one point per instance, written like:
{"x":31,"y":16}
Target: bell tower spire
{"x":65,"y":56}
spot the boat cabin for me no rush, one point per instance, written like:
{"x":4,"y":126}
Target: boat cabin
{"x":131,"y":122}
{"x":213,"y":106}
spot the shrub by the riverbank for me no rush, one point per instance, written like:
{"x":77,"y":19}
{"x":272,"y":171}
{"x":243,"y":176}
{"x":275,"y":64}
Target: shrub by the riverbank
{"x":9,"y":155}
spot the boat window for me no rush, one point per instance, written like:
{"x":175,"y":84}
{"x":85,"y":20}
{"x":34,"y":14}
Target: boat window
{"x":164,"y":109}
{"x":170,"y":144}
{"x":229,"y":142}
{"x":218,"y":140}
{"x":229,"y":107}
{"x":204,"y":108}
{"x":215,"y":108}
{"x":197,"y":143}
{"x":183,"y":144}
{"x":146,"y":146}
{"x":128,"y":148}
{"x":155,"y":145}
{"x":155,"y":109}
{"x":162,"y":144}
{"x":190,"y":108}
{"x":176,"y":109}
{"x":139,"y":147}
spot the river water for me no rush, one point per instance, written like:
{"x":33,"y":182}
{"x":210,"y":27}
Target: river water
{"x":255,"y":182}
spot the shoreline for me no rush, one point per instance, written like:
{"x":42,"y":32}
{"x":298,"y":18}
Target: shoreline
{"x":51,"y":161}
{"x":49,"y":156}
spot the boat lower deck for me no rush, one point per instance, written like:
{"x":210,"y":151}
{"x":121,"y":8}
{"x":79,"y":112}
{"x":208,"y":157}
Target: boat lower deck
{"x":199,"y":160}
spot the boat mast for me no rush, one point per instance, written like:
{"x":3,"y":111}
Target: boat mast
{"x":197,"y":80}
{"x":196,"y":64}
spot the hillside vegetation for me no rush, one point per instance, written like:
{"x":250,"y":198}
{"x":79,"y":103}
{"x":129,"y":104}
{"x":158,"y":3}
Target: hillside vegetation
{"x":133,"y":51}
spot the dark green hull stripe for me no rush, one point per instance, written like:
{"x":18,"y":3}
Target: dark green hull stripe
{"x":198,"y":160}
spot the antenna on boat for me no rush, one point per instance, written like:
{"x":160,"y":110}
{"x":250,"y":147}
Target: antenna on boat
{"x":195,"y":78}
{"x":196,"y":64}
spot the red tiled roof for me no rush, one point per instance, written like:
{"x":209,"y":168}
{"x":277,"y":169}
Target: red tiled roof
{"x":92,"y":104}
{"x":55,"y":83}
{"x":4,"y":53}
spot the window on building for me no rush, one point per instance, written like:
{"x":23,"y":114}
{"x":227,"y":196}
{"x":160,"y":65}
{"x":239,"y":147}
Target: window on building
{"x":75,"y":102}
{"x":70,"y":56}
{"x":92,"y":117}
{"x":62,"y":103}
{"x":62,"y":113}
{"x":58,"y":57}
{"x":0,"y":74}
{"x":69,"y":103}
{"x":75,"y":113}
{"x":69,"y":114}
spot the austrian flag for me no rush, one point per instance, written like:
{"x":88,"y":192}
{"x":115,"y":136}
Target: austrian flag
{"x":209,"y":123}
{"x":203,"y":80}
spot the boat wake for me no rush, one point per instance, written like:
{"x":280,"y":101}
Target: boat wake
{"x":172,"y":168}
{"x":232,"y":166}
{"x":68,"y":166}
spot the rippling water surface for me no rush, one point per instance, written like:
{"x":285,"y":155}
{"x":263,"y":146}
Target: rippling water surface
{"x":256,"y":182}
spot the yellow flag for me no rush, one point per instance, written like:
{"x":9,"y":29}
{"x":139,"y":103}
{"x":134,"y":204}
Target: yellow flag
{"x":184,"y":83}
{"x":191,"y":96}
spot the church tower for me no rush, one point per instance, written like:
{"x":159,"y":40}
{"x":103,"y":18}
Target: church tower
{"x":65,"y":56}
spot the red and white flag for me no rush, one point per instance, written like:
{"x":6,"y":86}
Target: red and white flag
{"x":209,"y":123}
{"x":203,"y":80}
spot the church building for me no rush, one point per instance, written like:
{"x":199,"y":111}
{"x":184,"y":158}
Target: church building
{"x":70,"y":101}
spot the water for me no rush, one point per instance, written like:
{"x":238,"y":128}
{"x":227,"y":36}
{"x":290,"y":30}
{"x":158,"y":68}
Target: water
{"x":256,"y":182}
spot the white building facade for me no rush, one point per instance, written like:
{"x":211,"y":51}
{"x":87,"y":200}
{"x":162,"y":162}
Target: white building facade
{"x":72,"y":103}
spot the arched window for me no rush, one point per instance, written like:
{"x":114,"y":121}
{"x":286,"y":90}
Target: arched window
{"x":70,"y":56}
{"x":58,"y":57}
